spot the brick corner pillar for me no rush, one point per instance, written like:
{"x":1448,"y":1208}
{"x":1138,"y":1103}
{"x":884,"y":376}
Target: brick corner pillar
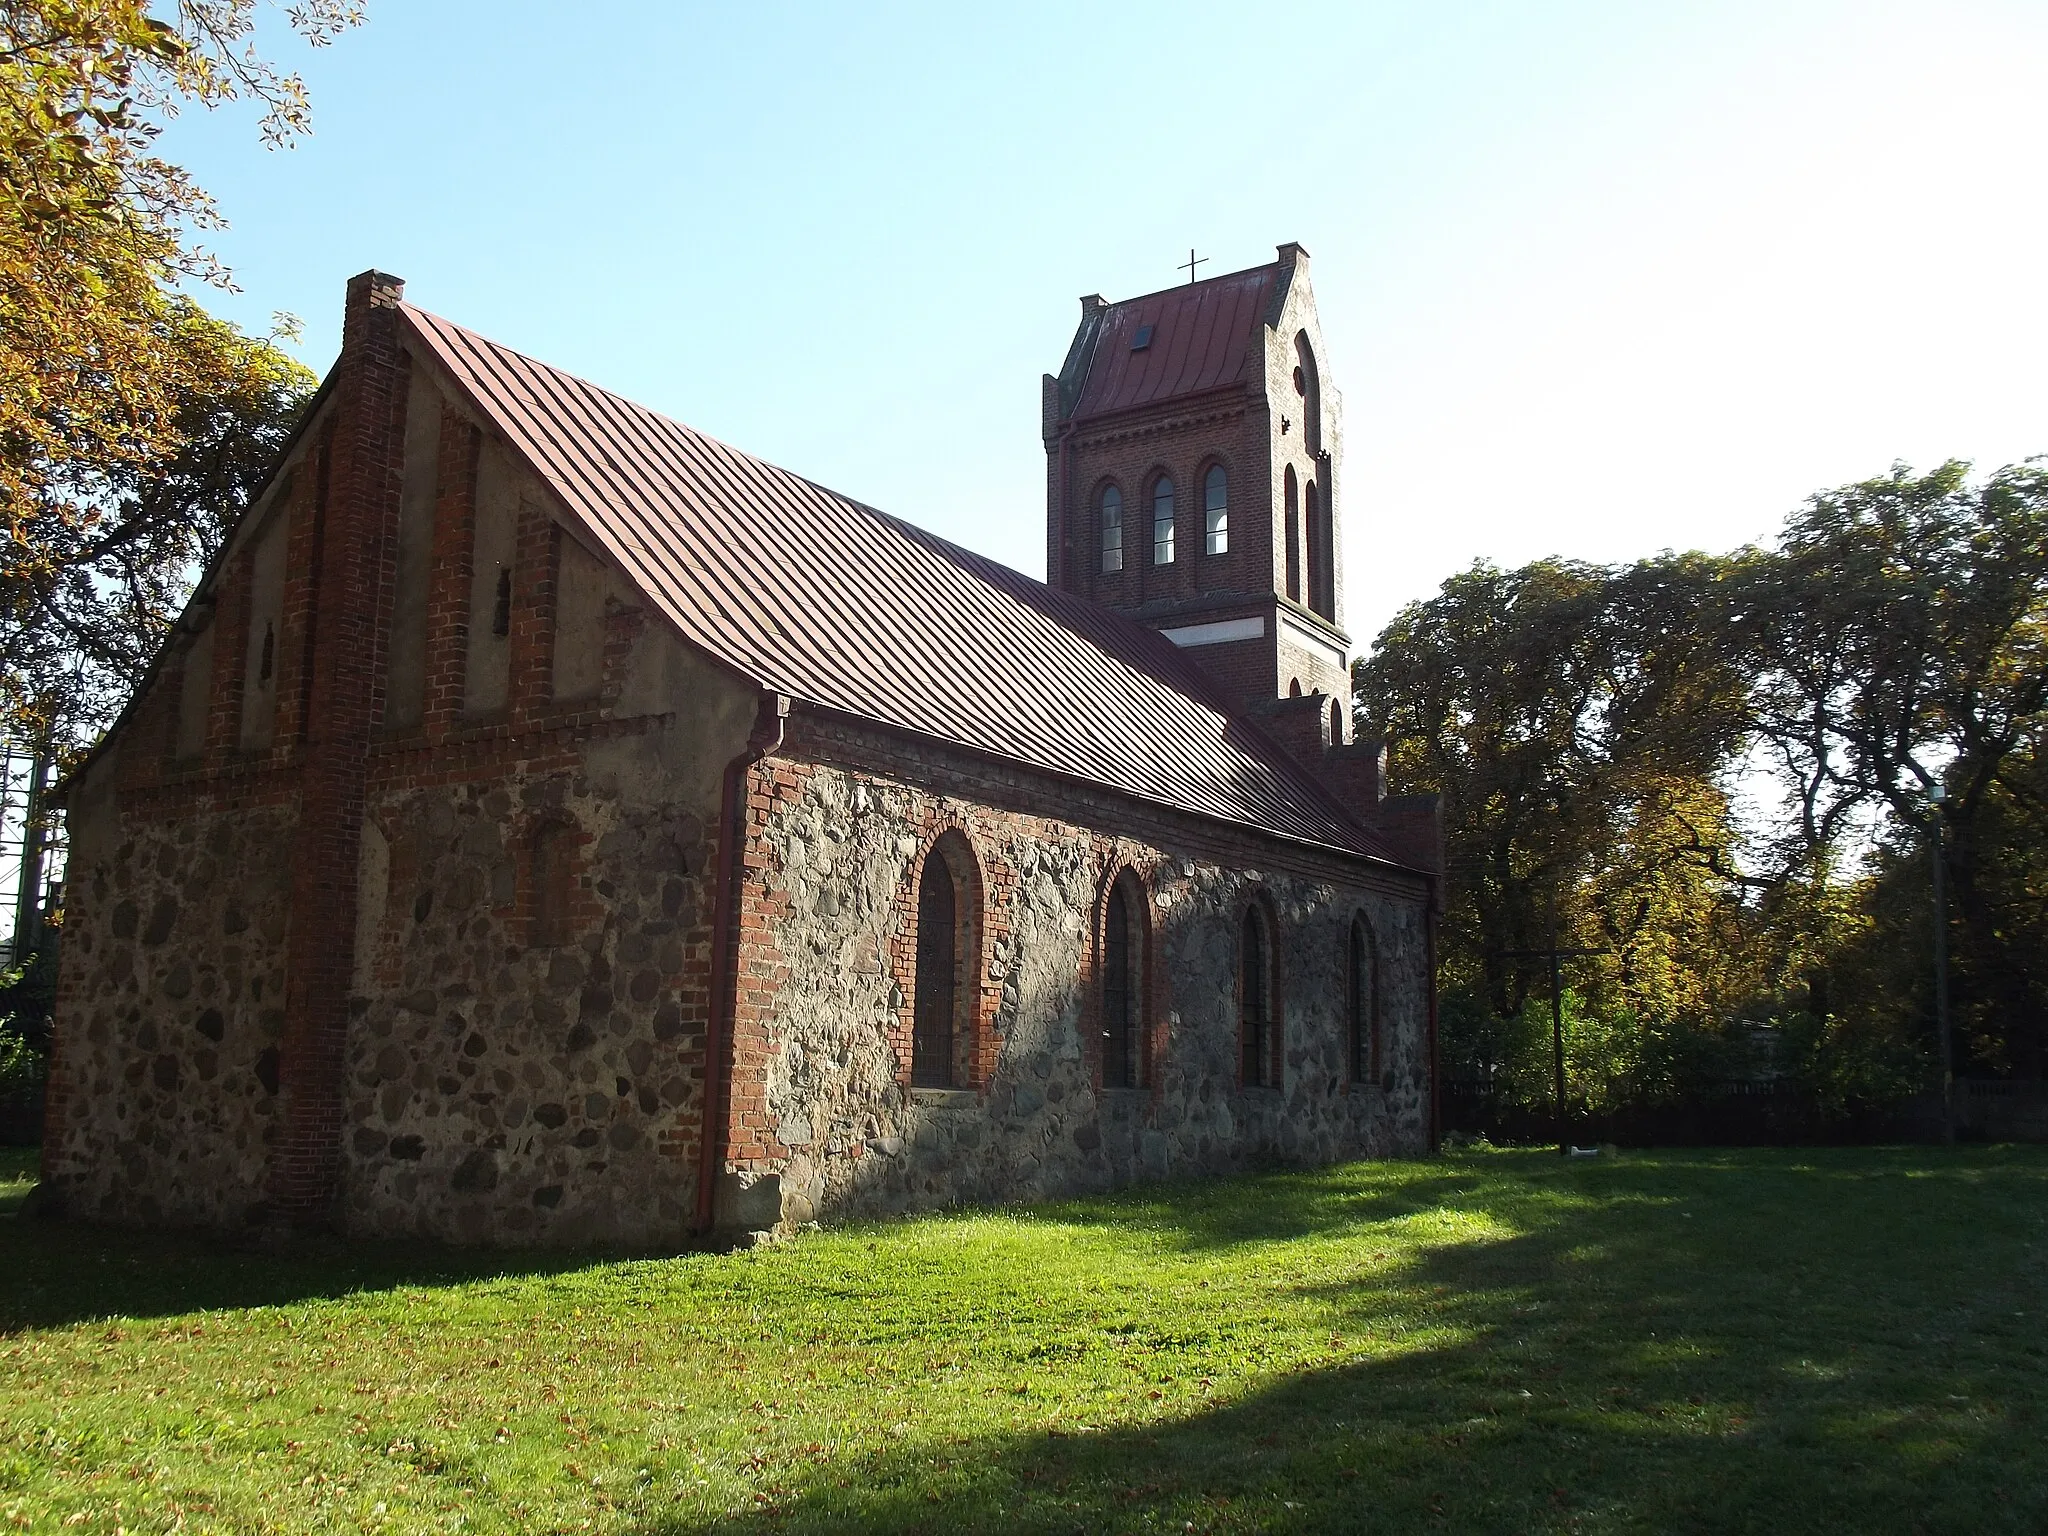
{"x":349,"y":622}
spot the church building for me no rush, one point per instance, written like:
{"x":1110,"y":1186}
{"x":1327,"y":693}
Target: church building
{"x":548,"y":824}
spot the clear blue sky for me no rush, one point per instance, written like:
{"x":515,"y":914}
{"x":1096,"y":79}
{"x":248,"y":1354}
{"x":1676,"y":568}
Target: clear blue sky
{"x":1597,"y":278}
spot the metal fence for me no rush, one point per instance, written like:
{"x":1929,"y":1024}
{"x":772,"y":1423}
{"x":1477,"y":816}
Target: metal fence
{"x":1735,"y":1113}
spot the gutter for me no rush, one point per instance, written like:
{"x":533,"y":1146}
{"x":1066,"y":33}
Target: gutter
{"x":770,"y":718}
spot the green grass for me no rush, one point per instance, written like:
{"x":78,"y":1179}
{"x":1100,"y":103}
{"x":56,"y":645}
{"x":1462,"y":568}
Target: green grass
{"x":1769,"y":1341}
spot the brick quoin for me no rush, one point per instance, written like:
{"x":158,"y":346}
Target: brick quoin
{"x":356,"y":561}
{"x":305,"y":505}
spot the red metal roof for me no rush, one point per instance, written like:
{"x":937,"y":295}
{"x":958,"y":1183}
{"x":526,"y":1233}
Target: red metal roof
{"x":1202,"y":336}
{"x":829,"y":601}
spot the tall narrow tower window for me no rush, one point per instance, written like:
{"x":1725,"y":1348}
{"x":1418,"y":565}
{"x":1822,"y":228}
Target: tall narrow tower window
{"x":1322,"y":585}
{"x":1216,"y":510}
{"x":1291,"y":528}
{"x":1112,"y":528}
{"x":1162,"y":521}
{"x":1308,"y":380}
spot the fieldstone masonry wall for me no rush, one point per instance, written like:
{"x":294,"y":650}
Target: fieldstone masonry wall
{"x":173,"y":1009}
{"x":518,"y":1074}
{"x":502,"y":1090}
{"x":836,"y":1129}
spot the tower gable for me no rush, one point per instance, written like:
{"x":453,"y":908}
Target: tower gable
{"x":1193,"y":440}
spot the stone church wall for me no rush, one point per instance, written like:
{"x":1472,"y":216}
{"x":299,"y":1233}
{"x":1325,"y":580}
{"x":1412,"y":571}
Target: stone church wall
{"x":835,"y":1128}
{"x":526,"y":1058}
{"x":172,"y":1009}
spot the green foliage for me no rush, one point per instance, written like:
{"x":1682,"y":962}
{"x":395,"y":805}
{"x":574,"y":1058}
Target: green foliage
{"x":1585,"y":725}
{"x":111,"y":380}
{"x":84,"y":606}
{"x":1491,"y":1342}
{"x":22,"y":1067}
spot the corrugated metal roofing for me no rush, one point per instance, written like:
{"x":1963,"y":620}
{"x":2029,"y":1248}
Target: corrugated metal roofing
{"x":1201,"y":339}
{"x":829,"y":601}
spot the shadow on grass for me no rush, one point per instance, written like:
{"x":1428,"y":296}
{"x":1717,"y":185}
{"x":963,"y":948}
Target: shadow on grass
{"x":54,"y":1274}
{"x":1776,"y":1343}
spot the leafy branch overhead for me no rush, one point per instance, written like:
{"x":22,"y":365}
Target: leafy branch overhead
{"x":110,"y":379}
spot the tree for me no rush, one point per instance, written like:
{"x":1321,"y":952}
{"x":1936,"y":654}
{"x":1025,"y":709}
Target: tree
{"x":83,"y":610}
{"x":1899,"y":641}
{"x":1555,"y":707}
{"x":103,"y":365}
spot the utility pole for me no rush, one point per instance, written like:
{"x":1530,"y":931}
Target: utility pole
{"x":1937,"y":798}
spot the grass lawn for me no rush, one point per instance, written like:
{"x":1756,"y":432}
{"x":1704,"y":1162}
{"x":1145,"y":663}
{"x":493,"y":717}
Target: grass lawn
{"x":1768,"y":1341}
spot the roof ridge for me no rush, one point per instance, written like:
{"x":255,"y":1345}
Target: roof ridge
{"x":1172,"y":288}
{"x":813,"y":593}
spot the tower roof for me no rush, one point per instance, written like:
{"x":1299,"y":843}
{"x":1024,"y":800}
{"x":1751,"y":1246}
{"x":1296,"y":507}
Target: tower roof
{"x":1179,"y":341}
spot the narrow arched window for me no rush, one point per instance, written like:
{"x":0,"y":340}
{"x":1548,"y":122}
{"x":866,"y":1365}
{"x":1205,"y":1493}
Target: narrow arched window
{"x":1216,"y":510}
{"x":1362,"y":1003}
{"x":554,"y":884}
{"x":1322,"y":585}
{"x":1162,"y":521}
{"x":1255,"y":999}
{"x":937,"y":983}
{"x":1112,"y":528}
{"x":1308,"y":382}
{"x":1292,"y":529}
{"x":1123,"y":968}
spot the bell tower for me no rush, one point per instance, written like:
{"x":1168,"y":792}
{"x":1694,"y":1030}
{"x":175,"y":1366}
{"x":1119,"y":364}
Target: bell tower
{"x":1192,"y":444}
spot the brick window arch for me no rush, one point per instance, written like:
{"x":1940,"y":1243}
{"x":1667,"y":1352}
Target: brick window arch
{"x":1162,"y":520}
{"x":1122,"y":977}
{"x":1291,"y":529}
{"x":1322,"y":551}
{"x":555,"y":902}
{"x":1362,"y":1000}
{"x":945,"y":992}
{"x":1258,"y":999}
{"x":1110,"y":507}
{"x":1309,"y":384}
{"x":1216,"y":511}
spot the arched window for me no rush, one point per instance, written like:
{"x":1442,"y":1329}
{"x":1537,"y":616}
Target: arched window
{"x":1362,"y":1002}
{"x":1112,"y":528}
{"x":1308,"y":381}
{"x":1292,"y":528}
{"x":1255,"y":999}
{"x":1336,"y":723}
{"x":1216,"y":510}
{"x":938,"y":974}
{"x":1322,"y":585}
{"x":554,"y":884}
{"x":1162,"y":521}
{"x":1123,"y":981}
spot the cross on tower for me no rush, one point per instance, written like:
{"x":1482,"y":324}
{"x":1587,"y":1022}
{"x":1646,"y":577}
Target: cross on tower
{"x":1192,"y":262}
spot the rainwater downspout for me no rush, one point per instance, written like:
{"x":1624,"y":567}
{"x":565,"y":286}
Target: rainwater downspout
{"x":770,"y":717}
